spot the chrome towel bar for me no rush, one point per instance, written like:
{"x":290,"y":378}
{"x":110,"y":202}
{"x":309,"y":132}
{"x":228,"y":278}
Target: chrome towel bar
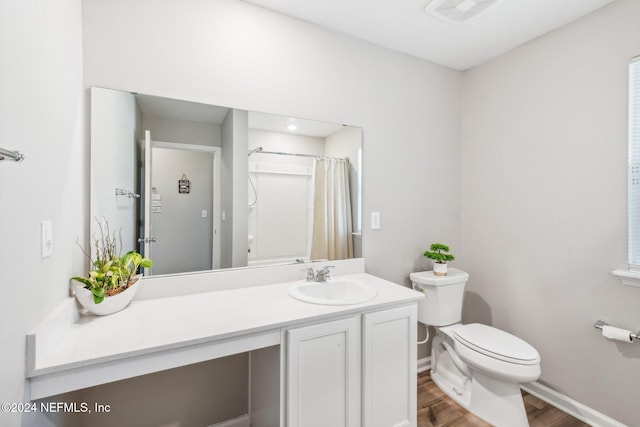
{"x":12,"y":155}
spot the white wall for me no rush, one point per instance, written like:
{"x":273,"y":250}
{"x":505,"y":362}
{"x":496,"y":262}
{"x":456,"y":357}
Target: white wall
{"x":544,"y":203}
{"x":113,"y":166}
{"x":226,"y":192}
{"x":543,"y":164}
{"x":345,"y":143}
{"x":227,"y":52}
{"x":234,"y":182}
{"x":240,"y":187}
{"x":42,"y":113}
{"x":332,"y":79}
{"x":182,"y":131}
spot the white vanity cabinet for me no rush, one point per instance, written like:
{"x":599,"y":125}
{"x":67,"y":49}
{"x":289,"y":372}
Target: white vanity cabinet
{"x":389,"y":366}
{"x":323,"y":374}
{"x":358,"y":371}
{"x":308,"y":365}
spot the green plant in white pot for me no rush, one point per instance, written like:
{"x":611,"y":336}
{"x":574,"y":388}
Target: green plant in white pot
{"x":438,"y":253}
{"x":109,"y":286}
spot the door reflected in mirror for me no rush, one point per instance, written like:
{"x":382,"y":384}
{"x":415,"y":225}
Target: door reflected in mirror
{"x":197,"y":187}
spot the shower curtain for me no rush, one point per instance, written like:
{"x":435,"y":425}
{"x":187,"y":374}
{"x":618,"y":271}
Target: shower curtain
{"x":331,"y":238}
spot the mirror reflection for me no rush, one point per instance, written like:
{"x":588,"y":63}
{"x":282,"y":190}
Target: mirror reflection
{"x":199,"y":187}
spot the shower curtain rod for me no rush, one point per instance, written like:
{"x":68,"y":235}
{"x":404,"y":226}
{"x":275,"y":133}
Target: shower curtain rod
{"x":346,"y":159}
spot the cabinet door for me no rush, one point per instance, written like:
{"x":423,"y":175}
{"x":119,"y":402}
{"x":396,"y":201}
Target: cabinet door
{"x":323,"y":375}
{"x":389,"y":368}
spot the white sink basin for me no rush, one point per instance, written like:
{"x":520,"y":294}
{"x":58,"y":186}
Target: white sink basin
{"x":332,"y":292}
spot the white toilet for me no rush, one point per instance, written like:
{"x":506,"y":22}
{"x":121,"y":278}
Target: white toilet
{"x":479,"y":366}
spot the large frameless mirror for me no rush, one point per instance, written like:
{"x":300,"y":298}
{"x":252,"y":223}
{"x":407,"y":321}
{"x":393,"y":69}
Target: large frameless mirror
{"x":199,"y":187}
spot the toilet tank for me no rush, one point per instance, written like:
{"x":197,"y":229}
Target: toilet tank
{"x":443,"y":296}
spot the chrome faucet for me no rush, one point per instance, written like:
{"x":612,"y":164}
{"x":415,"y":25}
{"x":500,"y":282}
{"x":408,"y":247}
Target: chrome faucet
{"x":321,"y":275}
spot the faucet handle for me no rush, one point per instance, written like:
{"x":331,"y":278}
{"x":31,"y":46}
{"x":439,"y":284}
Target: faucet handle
{"x":310,"y":274}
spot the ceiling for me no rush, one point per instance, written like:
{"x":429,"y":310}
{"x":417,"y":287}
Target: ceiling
{"x":175,"y":109}
{"x":277,"y":123}
{"x":405,"y":26}
{"x":168,"y":108}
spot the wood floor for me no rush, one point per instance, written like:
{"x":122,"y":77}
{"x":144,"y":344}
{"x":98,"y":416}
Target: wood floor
{"x":436,"y":409}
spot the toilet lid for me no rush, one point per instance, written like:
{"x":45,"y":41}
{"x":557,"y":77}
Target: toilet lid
{"x":496,"y":343}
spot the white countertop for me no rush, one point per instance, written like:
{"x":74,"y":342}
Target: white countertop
{"x":150,"y":326}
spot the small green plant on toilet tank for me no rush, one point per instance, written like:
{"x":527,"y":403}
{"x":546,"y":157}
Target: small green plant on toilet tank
{"x":438,"y":253}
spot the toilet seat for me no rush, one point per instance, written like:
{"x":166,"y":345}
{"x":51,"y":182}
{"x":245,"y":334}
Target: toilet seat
{"x":497,"y":344}
{"x":496,"y":353}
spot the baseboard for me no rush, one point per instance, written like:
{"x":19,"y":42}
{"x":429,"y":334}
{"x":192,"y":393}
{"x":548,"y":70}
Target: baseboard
{"x":424,"y":364}
{"x":554,"y":398}
{"x":242,"y":421}
{"x":570,"y":406}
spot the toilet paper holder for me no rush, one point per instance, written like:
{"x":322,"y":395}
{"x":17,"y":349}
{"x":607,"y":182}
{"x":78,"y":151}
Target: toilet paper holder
{"x":600,"y":323}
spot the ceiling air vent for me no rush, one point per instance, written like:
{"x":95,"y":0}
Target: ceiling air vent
{"x":458,"y":11}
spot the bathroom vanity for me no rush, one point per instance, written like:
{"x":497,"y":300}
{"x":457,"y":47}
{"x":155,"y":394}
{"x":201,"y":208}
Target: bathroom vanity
{"x":311,"y":364}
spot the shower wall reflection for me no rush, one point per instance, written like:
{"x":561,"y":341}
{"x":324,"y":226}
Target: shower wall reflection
{"x":292,"y":215}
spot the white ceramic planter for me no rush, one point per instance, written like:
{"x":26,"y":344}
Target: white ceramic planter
{"x":440,"y":268}
{"x":109,"y":305}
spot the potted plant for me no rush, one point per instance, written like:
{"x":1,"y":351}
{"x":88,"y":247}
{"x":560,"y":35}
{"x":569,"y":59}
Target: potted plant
{"x":438,"y":253}
{"x":109,"y":286}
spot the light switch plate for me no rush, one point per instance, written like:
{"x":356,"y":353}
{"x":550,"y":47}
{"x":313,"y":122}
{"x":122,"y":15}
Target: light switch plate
{"x":375,"y":220}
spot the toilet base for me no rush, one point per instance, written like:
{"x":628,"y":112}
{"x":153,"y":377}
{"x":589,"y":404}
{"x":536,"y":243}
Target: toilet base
{"x":496,"y":401}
